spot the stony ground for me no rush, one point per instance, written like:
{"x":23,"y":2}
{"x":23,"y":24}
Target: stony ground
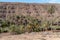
{"x":32,"y":36}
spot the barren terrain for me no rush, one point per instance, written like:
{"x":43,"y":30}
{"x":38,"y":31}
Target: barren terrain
{"x":32,"y":36}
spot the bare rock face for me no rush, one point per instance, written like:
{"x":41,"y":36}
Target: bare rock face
{"x":29,"y":9}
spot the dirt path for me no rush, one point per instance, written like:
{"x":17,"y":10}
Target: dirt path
{"x":32,"y":36}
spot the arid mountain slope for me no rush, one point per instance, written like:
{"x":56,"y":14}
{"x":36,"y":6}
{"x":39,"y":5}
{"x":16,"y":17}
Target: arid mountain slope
{"x":8,"y":9}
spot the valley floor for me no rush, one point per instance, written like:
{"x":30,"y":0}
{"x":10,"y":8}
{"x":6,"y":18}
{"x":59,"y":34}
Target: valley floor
{"x":32,"y":36}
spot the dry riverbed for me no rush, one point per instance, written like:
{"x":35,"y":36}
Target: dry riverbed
{"x":32,"y":36}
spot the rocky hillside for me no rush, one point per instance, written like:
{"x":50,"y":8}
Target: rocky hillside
{"x":29,"y":9}
{"x":29,"y":17}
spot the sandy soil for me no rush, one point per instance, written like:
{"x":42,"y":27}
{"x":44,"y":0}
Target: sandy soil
{"x":32,"y":36}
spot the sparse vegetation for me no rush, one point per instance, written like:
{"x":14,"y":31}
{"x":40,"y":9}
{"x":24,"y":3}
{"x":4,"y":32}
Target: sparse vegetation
{"x":51,"y":9}
{"x":18,"y":24}
{"x":24,"y":24}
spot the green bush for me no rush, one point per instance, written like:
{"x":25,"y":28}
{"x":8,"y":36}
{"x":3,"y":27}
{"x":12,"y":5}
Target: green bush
{"x":4,"y":30}
{"x":28,"y":28}
{"x":16,"y":29}
{"x":0,"y":30}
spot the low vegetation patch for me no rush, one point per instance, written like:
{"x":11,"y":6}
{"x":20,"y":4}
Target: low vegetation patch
{"x":22,"y":24}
